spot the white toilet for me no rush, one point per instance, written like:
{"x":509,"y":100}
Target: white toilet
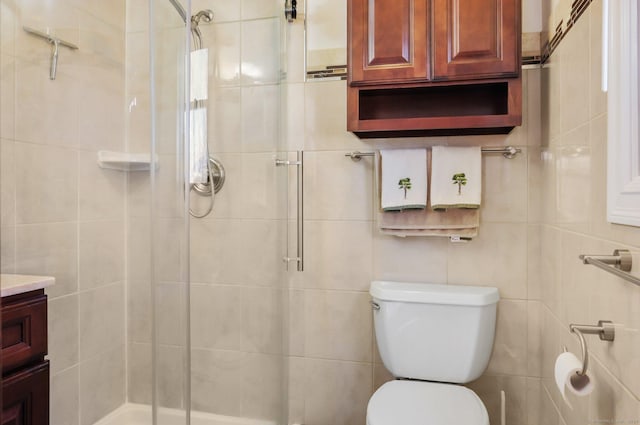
{"x":431,"y":337}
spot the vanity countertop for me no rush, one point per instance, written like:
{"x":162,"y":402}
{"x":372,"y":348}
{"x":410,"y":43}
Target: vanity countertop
{"x":13,"y":284}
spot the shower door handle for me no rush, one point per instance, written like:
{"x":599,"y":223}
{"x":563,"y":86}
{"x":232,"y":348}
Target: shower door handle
{"x":300,"y":211}
{"x":299,"y":164}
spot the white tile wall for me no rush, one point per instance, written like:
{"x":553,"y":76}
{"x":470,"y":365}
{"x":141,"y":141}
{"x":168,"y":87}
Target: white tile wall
{"x":62,"y":215}
{"x":101,"y":318}
{"x":573,"y":193}
{"x":63,"y":333}
{"x":102,"y":384}
{"x":65,"y":400}
{"x":49,"y":191}
{"x":259,"y":62}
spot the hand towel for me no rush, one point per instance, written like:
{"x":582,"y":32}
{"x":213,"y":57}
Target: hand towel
{"x":426,"y":222}
{"x":198,"y":152}
{"x":453,"y":222}
{"x":199,"y":75}
{"x":199,"y":92}
{"x":456,"y":177}
{"x":404,"y":179}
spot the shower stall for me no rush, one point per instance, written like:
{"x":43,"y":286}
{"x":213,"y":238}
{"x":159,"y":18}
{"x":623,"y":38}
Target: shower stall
{"x":216,"y":289}
{"x":170,"y":305}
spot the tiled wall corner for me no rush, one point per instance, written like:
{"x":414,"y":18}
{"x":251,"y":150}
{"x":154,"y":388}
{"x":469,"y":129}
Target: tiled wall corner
{"x":573,"y":222}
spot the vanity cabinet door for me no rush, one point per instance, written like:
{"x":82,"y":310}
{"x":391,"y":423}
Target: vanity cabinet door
{"x":25,"y":396}
{"x":24,"y":330}
{"x":388,"y":40}
{"x":476,"y":39}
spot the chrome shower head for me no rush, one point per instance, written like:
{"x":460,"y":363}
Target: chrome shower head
{"x":206,"y":15}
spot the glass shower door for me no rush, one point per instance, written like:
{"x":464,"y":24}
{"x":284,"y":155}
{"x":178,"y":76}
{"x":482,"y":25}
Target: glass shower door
{"x":237,"y":271}
{"x":218,"y":284}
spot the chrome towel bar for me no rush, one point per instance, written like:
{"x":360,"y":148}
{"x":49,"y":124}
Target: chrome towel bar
{"x":507,"y":151}
{"x":619,"y":264}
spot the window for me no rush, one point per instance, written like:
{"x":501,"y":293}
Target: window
{"x":623,"y":175}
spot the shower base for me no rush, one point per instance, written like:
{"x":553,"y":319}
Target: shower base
{"x":140,"y":414}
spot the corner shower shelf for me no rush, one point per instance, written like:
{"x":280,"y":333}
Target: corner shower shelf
{"x":125,"y":161}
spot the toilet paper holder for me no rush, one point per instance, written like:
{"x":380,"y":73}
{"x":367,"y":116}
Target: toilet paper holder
{"x":605,"y":329}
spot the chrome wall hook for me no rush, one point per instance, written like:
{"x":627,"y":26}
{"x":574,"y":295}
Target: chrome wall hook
{"x":605,"y":330}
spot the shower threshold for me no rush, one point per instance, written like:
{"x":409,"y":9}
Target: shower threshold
{"x":140,"y":414}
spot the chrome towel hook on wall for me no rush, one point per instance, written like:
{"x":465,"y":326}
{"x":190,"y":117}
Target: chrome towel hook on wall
{"x":55,"y":44}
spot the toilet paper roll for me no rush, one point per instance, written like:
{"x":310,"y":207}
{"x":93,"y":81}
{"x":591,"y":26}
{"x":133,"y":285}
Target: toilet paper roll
{"x":566,"y":375}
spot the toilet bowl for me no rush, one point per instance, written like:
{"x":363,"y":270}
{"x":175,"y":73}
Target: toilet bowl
{"x":421,"y":403}
{"x":431,"y":338}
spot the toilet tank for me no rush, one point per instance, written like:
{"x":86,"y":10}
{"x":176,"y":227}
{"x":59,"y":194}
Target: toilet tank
{"x":434,"y":332}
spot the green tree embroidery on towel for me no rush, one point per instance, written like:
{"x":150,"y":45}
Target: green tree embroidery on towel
{"x":461,"y":180}
{"x":405,"y":184}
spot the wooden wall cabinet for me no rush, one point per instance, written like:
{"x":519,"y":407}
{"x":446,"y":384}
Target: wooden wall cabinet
{"x":387,"y":40}
{"x":433,"y":67}
{"x":25,"y":372}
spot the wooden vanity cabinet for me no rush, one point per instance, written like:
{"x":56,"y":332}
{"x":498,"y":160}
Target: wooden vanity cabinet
{"x":25,"y":372}
{"x":433,"y":67}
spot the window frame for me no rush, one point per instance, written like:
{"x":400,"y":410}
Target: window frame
{"x":623,"y":152}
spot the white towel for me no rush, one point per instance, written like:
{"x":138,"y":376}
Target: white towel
{"x":462,"y":223}
{"x":456,"y":177}
{"x":199,"y":83}
{"x":403,"y":179}
{"x":199,"y":75}
{"x":199,"y":152}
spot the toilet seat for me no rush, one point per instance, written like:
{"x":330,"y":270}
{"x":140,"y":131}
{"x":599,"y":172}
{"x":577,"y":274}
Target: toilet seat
{"x":425,"y":403}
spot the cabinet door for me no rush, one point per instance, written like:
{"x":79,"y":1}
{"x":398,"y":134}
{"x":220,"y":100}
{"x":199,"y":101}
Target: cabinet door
{"x":387,"y":40}
{"x":475,"y":39}
{"x":25,"y":397}
{"x":24,"y":330}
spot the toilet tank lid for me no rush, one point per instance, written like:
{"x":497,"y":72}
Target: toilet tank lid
{"x":430,"y":293}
